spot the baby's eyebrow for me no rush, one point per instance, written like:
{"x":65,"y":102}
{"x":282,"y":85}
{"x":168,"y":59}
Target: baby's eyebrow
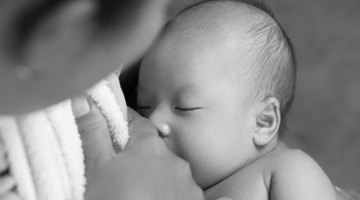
{"x":190,"y":91}
{"x":188,"y":87}
{"x":187,"y":91}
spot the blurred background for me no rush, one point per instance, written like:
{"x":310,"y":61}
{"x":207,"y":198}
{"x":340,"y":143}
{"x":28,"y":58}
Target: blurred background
{"x":325,"y":120}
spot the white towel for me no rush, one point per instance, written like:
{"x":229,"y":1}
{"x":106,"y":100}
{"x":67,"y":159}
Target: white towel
{"x":117,"y":124}
{"x":44,"y":148}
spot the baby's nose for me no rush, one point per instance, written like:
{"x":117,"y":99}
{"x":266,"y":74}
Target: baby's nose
{"x":163,"y":129}
{"x":160,"y":123}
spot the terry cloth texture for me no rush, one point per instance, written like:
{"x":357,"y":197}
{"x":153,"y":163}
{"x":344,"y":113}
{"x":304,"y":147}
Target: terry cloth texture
{"x":43,"y":151}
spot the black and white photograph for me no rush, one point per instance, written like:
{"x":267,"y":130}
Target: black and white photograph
{"x":179,"y":100}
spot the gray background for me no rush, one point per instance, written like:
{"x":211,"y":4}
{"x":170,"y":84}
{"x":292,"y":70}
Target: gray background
{"x":325,"y":119}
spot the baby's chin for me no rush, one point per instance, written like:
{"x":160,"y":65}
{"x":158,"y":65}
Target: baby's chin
{"x":206,"y":181}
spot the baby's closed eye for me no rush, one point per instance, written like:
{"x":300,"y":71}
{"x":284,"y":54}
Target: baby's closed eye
{"x":187,"y":108}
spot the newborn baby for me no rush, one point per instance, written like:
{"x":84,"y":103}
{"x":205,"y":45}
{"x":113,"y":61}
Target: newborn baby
{"x":218,"y":84}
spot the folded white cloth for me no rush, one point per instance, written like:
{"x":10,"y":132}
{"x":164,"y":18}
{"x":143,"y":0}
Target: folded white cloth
{"x":117,"y":124}
{"x":44,"y":149}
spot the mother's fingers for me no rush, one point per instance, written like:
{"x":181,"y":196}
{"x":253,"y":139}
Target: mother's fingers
{"x":94,"y":133}
{"x":141,"y":129}
{"x":131,"y":115}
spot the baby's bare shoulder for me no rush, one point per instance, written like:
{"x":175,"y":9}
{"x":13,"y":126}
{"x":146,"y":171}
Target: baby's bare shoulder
{"x":294,"y":173}
{"x":290,"y":160}
{"x":286,"y":157}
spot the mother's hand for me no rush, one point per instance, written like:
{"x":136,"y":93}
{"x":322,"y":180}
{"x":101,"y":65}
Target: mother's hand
{"x":145,"y":169}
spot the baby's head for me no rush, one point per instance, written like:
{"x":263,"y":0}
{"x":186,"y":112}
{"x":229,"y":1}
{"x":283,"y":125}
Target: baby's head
{"x":217,"y":84}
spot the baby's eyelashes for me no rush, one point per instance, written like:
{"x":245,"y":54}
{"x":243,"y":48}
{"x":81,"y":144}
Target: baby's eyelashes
{"x":175,"y":107}
{"x":149,"y":111}
{"x":187,"y":109}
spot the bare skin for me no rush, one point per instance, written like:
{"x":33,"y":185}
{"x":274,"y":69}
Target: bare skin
{"x":277,"y":175}
{"x":195,"y":86}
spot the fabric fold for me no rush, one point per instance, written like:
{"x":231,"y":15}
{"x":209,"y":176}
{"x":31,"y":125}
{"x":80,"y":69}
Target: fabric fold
{"x":45,"y":152}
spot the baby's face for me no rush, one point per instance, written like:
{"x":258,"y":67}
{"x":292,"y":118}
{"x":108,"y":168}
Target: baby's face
{"x":197,"y":107}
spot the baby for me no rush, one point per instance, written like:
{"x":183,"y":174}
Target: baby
{"x":218,"y":84}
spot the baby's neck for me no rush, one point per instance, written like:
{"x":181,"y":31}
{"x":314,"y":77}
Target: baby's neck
{"x":237,"y":182}
{"x":260,"y":153}
{"x":268,"y":148}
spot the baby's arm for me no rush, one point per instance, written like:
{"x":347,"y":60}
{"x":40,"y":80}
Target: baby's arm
{"x":294,"y":175}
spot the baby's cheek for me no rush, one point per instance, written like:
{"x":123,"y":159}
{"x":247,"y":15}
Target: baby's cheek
{"x":197,"y":152}
{"x":204,"y":169}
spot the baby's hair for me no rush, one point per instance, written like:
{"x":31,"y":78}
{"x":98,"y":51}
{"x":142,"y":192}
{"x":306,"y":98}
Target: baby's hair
{"x":273,"y":71}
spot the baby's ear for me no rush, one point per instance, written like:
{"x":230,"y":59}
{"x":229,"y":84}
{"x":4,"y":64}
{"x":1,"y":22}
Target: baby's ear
{"x":267,"y":121}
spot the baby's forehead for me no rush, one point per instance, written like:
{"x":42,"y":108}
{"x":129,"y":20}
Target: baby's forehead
{"x":220,"y":57}
{"x":213,"y":53}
